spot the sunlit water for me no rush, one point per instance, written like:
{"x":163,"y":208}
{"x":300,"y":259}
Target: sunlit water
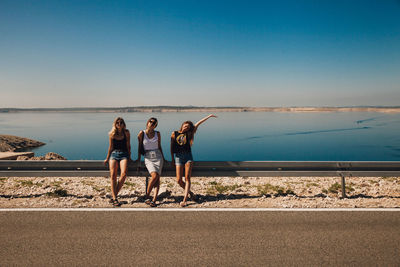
{"x":232,"y":136}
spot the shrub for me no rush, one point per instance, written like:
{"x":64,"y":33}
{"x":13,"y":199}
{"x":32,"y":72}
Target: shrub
{"x":56,"y":183}
{"x":219,"y":188}
{"x":130,"y":184}
{"x":28,"y":183}
{"x":278,"y":190}
{"x":336,"y":187}
{"x":349,"y":188}
{"x":58,"y":193}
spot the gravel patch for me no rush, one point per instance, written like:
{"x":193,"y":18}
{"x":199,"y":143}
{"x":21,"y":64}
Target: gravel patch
{"x":217,"y":192}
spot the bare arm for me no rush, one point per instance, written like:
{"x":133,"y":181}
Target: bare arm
{"x":128,"y":142}
{"x":110,"y":148}
{"x":172,"y":148}
{"x":159,"y":145}
{"x":140,"y":140}
{"x":202,"y":120}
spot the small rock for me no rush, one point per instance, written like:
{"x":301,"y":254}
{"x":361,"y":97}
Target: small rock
{"x":54,"y":156}
{"x":23,"y":158}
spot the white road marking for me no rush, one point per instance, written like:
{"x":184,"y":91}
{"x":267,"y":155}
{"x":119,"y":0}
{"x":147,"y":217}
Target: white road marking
{"x":198,"y":209}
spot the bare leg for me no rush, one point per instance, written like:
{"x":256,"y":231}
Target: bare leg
{"x":124,"y":169}
{"x":157,"y":186}
{"x":113,"y":177}
{"x":188,"y":173}
{"x":153,"y":181}
{"x":179,"y":173}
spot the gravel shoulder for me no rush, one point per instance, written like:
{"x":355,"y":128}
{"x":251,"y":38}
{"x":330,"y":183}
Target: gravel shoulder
{"x":218,"y":192}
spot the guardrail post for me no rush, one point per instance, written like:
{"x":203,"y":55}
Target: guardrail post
{"x":343,"y":186}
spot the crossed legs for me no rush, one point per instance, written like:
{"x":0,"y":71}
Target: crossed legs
{"x":154,"y":183}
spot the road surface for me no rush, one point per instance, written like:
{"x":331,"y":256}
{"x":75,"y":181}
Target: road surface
{"x":206,"y":238}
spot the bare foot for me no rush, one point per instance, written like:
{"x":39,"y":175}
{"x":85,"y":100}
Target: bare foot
{"x":183,"y":204}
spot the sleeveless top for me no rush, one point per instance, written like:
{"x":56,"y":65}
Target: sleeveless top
{"x":150,"y":144}
{"x":120,"y":144}
{"x":181,"y":143}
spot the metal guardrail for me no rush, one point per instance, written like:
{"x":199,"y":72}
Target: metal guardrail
{"x":73,"y":168}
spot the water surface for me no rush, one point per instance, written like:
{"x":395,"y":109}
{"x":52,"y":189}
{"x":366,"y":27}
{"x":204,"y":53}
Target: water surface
{"x":232,"y":136}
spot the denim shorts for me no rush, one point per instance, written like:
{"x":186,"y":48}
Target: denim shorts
{"x":182,"y":158}
{"x":119,"y":155}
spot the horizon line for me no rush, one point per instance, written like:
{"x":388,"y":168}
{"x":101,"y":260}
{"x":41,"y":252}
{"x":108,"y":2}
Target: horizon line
{"x":193,"y":107}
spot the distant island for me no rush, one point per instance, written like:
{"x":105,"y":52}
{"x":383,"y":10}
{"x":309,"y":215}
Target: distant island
{"x":385,"y":109}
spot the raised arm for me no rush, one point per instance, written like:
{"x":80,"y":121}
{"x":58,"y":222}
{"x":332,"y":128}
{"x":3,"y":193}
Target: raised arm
{"x":203,"y":120}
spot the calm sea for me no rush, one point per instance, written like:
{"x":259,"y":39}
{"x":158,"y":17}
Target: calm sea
{"x":232,"y":136}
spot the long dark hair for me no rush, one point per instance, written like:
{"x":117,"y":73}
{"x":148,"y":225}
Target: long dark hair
{"x":190,"y":132}
{"x":153,"y":121}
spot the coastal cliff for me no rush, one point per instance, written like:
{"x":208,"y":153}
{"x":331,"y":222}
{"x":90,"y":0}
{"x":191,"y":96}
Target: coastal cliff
{"x":14,"y":143}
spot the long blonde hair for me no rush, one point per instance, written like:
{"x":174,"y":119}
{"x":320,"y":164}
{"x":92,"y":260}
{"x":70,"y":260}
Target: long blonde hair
{"x":114,"y":129}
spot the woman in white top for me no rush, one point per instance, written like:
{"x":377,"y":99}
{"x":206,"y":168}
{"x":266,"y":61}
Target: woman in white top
{"x":150,"y":146}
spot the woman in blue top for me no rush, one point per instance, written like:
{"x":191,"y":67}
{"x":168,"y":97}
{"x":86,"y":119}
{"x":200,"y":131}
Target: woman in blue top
{"x":118,"y":155}
{"x":181,"y":142}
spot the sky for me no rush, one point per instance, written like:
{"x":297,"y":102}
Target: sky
{"x":203,"y":53}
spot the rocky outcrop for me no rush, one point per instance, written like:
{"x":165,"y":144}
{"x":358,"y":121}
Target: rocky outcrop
{"x":13,"y":143}
{"x":48,"y":156}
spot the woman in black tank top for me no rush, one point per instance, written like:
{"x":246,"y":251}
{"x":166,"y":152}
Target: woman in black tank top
{"x":118,"y":156}
{"x":181,"y":154}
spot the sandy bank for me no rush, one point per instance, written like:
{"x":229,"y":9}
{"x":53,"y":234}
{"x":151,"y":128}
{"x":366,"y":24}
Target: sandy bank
{"x":255,"y":192}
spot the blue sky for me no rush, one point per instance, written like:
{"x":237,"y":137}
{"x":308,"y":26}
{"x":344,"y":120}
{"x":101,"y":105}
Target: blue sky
{"x":206,"y":53}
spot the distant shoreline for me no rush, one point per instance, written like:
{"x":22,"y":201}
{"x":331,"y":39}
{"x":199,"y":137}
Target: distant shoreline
{"x":393,"y":109}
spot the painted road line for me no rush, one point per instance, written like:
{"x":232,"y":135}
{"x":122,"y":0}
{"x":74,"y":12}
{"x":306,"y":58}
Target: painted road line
{"x":202,"y":209}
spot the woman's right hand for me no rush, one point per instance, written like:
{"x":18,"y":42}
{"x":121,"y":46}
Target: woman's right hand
{"x":173,"y":162}
{"x":106,"y":161}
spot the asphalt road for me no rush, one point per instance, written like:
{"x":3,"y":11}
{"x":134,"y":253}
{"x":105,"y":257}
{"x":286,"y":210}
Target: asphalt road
{"x":200,"y":238}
